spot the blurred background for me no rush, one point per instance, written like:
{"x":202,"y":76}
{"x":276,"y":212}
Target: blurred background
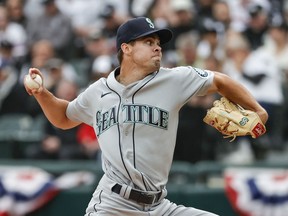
{"x":45,"y":170}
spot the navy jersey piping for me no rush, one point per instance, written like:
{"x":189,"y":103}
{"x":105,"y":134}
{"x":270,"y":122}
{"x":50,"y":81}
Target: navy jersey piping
{"x":134,"y":124}
{"x":100,"y":200}
{"x":119,"y":134}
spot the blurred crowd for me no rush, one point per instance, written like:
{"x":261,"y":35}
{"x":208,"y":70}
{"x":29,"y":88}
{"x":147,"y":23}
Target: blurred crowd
{"x":73,"y":43}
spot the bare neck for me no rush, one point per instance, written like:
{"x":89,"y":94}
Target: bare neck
{"x":130,"y":74}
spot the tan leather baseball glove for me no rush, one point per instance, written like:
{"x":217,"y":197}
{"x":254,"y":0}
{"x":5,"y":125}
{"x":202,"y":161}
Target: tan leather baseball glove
{"x":232,"y":120}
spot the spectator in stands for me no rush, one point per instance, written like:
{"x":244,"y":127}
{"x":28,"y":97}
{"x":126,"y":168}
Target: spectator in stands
{"x":40,"y":52}
{"x":138,"y":8}
{"x":99,"y":53}
{"x":239,"y":14}
{"x":186,"y":47}
{"x":196,"y":150}
{"x":204,"y":8}
{"x":6,"y":53}
{"x":12,"y":94}
{"x":57,"y":69}
{"x":160,"y":11}
{"x":209,"y":43}
{"x":258,"y":72}
{"x":257,"y":26}
{"x":84,"y":16}
{"x":88,"y":140}
{"x":14,"y":33}
{"x":101,"y":67}
{"x":222,"y":23}
{"x":285,"y":11}
{"x":111,"y":20}
{"x":43,"y":56}
{"x":276,"y":44}
{"x":16,"y":12}
{"x":221,"y":14}
{"x":52,"y":25}
{"x":182,"y":19}
{"x":33,"y":8}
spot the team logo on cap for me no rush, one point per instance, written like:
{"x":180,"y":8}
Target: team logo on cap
{"x":150,"y":23}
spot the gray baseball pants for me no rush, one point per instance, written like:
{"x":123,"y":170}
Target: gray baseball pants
{"x":105,"y":202}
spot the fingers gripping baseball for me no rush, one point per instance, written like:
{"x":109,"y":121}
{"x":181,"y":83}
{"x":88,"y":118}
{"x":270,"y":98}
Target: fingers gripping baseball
{"x":33,"y":81}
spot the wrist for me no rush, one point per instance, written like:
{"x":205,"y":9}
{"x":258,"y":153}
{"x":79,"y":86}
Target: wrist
{"x":263,"y":115}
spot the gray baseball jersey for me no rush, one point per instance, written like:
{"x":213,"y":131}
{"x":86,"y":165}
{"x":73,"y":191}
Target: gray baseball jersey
{"x":137,"y":124}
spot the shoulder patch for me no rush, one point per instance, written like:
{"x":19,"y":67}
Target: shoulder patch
{"x":201,"y":72}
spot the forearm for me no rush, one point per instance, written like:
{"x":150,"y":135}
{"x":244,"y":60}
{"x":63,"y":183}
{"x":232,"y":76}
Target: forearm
{"x":54,"y":109}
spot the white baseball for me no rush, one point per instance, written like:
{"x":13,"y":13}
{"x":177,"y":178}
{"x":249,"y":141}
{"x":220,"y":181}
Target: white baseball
{"x":33,"y":81}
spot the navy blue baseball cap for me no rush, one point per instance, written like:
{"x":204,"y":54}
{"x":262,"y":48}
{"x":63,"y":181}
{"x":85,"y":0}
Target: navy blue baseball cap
{"x":139,"y":27}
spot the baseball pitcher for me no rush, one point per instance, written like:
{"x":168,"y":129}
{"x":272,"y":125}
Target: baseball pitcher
{"x":134,"y":112}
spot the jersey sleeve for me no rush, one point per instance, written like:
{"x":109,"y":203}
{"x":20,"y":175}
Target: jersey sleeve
{"x":193,"y":81}
{"x":79,"y":109}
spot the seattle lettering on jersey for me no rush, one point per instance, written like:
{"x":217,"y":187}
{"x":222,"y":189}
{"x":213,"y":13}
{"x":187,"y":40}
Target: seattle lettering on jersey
{"x":132,"y":113}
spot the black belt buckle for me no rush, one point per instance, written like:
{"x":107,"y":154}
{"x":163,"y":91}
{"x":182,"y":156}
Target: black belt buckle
{"x":151,"y":198}
{"x":139,"y":196}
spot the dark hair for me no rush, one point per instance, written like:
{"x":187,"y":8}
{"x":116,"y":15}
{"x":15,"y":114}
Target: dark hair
{"x":120,"y":56}
{"x":120,"y":53}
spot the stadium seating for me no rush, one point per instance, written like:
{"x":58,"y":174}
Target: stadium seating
{"x":17,"y":131}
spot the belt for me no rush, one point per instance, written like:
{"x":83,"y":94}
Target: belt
{"x":139,"y":196}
